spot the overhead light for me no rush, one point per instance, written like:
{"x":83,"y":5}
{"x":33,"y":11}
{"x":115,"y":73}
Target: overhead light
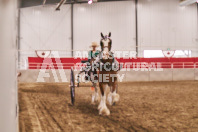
{"x":90,"y":1}
{"x":187,"y":2}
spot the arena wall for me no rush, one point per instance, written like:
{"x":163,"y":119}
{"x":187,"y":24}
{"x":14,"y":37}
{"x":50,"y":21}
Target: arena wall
{"x":161,"y":25}
{"x":164,"y":24}
{"x":115,"y":17}
{"x":43,"y":28}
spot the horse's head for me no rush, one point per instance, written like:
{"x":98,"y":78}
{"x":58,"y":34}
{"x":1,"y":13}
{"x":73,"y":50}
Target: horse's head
{"x":105,"y":44}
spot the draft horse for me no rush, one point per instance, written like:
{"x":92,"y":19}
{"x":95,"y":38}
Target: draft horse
{"x":107,"y":77}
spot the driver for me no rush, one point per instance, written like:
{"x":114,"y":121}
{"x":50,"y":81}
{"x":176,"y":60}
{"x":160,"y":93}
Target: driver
{"x":92,"y":54}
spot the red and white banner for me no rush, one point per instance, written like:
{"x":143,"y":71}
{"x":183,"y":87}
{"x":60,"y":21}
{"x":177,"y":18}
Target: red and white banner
{"x":67,"y":63}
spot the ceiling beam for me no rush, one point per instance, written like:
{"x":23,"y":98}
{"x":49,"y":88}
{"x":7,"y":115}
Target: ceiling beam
{"x":30,"y":3}
{"x":60,"y":4}
{"x":187,"y":2}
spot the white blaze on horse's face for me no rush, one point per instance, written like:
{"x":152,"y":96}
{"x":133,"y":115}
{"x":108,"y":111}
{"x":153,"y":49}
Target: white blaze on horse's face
{"x":105,"y":54}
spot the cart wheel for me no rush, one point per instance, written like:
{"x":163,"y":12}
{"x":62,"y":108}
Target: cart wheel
{"x":72,"y":86}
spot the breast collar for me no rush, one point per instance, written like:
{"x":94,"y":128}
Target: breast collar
{"x":101,"y":60}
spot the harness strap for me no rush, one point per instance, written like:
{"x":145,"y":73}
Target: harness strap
{"x":100,"y":55}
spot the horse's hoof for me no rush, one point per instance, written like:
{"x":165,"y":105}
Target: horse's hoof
{"x":104,"y":111}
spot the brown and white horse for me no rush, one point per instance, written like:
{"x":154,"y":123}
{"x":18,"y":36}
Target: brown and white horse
{"x":107,"y":75}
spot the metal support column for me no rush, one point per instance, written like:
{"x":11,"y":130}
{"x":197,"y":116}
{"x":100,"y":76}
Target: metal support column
{"x":72,"y":30}
{"x":18,"y":35}
{"x":136,"y":25}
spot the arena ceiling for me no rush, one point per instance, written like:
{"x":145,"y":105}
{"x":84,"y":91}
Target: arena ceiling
{"x":29,"y":3}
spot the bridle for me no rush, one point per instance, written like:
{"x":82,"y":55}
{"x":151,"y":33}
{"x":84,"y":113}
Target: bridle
{"x":102,"y":45}
{"x":101,"y":60}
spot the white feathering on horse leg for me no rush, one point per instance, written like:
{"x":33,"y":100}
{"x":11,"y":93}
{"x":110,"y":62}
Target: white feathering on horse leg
{"x":96,"y":94}
{"x":104,"y":110}
{"x":95,"y":97}
{"x":100,"y":105}
{"x":116,"y":97}
{"x":109,"y":98}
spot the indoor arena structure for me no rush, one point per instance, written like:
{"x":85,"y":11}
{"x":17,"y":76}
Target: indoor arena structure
{"x":99,"y":65}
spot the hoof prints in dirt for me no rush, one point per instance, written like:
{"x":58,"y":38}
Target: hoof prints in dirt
{"x":145,"y":106}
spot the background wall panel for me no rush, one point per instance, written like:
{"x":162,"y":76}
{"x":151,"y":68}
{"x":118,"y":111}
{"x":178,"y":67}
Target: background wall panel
{"x":117,"y":17}
{"x":164,"y":24}
{"x":161,"y":25}
{"x":44,"y":28}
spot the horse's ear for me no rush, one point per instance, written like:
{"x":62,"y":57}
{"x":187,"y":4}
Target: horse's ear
{"x":109,"y":34}
{"x":110,"y":45}
{"x":101,"y":45}
{"x":102,"y":35}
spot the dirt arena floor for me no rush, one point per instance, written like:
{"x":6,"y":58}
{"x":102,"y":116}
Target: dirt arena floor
{"x":143,"y":106}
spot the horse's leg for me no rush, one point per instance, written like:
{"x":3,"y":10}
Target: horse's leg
{"x":94,"y":84}
{"x":95,"y":95}
{"x":102,"y":93}
{"x":103,"y":110}
{"x":109,"y":97}
{"x":113,"y":96}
